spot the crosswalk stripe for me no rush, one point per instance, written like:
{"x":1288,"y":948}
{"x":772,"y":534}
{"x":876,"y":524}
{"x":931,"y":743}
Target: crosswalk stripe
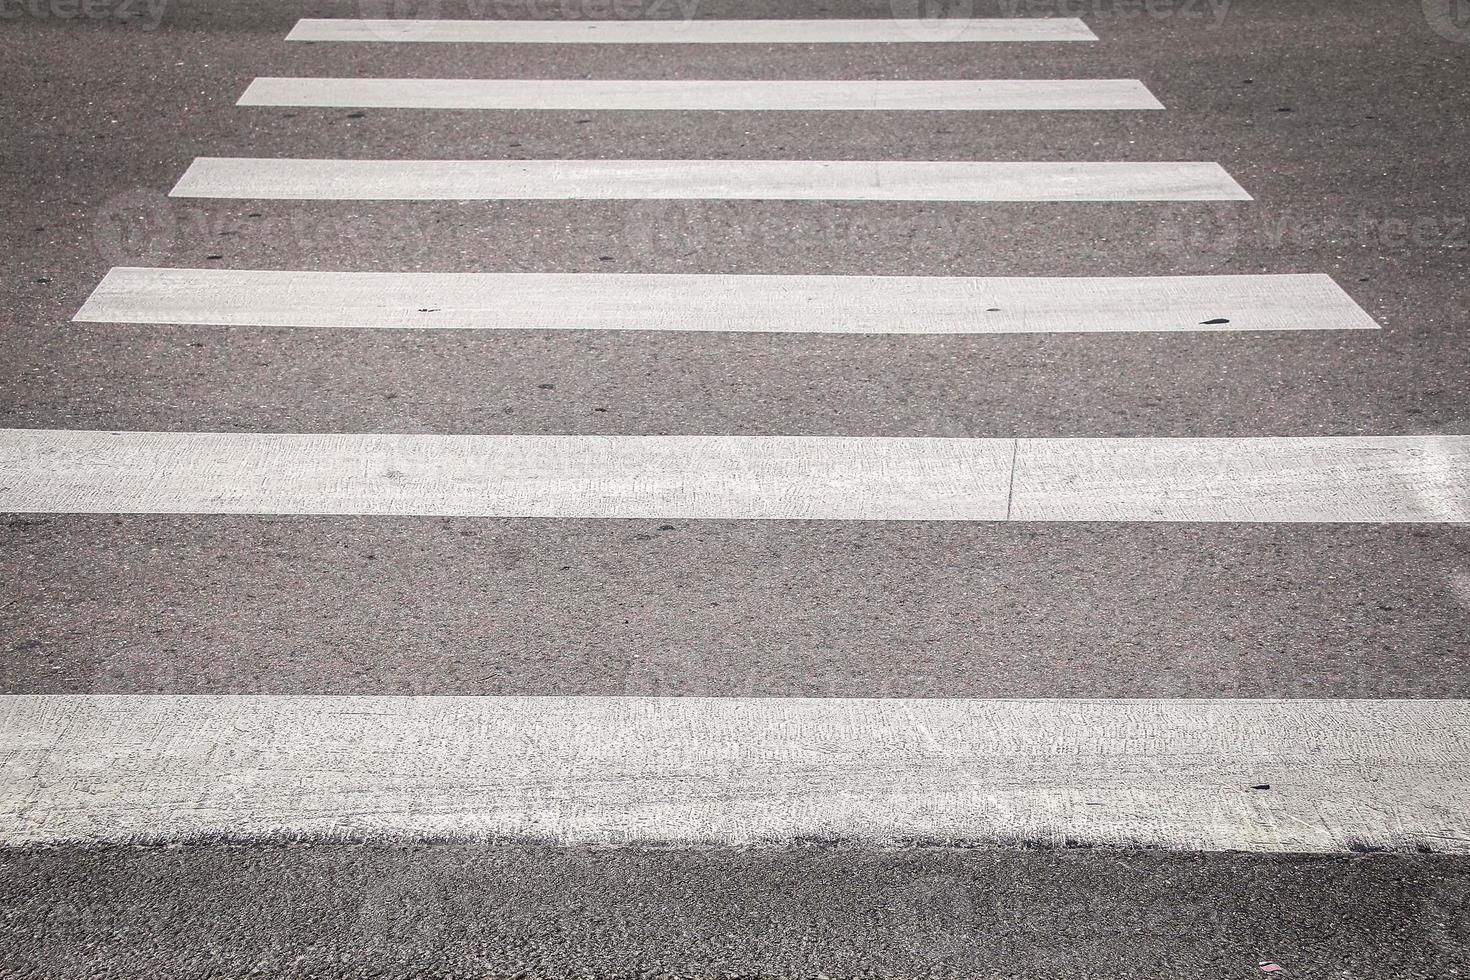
{"x":453,"y":93}
{"x":1316,"y":479}
{"x":760,"y":303}
{"x":808,"y":180}
{"x":833,"y":31}
{"x":1254,"y":775}
{"x":1343,"y":479}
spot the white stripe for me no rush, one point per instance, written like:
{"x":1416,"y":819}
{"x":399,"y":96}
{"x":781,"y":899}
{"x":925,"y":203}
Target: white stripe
{"x":1349,"y":480}
{"x":505,"y":476}
{"x":1162,"y":773}
{"x":875,"y":30}
{"x":447,"y":93}
{"x":775,"y":304}
{"x":1343,"y":479}
{"x":791,"y":180}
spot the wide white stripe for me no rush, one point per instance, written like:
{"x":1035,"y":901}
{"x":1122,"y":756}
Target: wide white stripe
{"x":874,"y":30}
{"x":1343,"y":479}
{"x":776,"y":304}
{"x":1177,"y":774}
{"x":790,"y":180}
{"x":448,"y":93}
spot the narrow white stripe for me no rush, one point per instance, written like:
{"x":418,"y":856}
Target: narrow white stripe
{"x":1175,"y":774}
{"x":445,"y":93}
{"x":875,"y":30}
{"x":791,"y":180}
{"x":776,"y":304}
{"x":1343,"y":479}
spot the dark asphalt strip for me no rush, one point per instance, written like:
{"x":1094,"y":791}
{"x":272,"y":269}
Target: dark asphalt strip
{"x":545,"y":911}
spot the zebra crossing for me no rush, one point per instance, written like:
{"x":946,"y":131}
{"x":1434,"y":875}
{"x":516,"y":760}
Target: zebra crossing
{"x":1184,"y":774}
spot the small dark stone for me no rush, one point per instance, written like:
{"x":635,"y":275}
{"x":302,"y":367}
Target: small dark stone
{"x":1217,"y":320}
{"x":1261,"y":786}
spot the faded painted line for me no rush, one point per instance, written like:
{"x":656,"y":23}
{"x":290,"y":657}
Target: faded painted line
{"x":764,"y":304}
{"x":503,"y":476}
{"x":1254,"y":775}
{"x":874,"y":30}
{"x":1322,"y":479}
{"x":446,"y":93}
{"x":786,"y":180}
{"x":1360,"y":479}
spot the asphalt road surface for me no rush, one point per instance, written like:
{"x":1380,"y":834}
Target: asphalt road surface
{"x":848,"y":627}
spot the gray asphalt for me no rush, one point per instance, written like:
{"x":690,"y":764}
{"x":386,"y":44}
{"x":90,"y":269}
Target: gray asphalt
{"x":1345,"y":120}
{"x":286,"y":605}
{"x":808,"y":911}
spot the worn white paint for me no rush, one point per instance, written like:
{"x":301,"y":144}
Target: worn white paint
{"x":1320,"y":479}
{"x":775,"y":304}
{"x":1164,"y":773}
{"x":788,"y":180}
{"x":505,"y":476}
{"x":687,"y":31}
{"x":1338,"y":479}
{"x":698,"y":94}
